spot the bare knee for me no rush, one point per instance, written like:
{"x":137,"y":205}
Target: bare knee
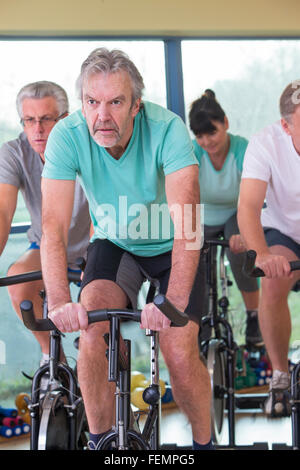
{"x":92,"y":339}
{"x":274,"y":291}
{"x":102,"y":293}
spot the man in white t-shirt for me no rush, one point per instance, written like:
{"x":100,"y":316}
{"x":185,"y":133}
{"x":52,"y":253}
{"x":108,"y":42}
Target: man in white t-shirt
{"x":271,"y":173}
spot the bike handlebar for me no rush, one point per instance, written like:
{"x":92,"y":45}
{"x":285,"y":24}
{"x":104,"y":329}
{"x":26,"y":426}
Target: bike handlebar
{"x":252,"y":271}
{"x":215,"y":242}
{"x":177,"y":317}
{"x":34,"y":276}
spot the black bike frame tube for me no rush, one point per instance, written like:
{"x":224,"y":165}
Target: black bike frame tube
{"x":150,"y":423}
{"x":113,"y":359}
{"x":55,"y":343}
{"x":72,"y":397}
{"x":35,"y":409}
{"x":212,"y":283}
{"x":73,"y":430}
{"x":295,"y":407}
{"x":125,"y":388}
{"x":34,"y":431}
{"x":230,"y":381}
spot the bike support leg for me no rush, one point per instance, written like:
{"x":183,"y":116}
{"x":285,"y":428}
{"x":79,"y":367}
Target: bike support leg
{"x":295,"y":407}
{"x":230,"y":349}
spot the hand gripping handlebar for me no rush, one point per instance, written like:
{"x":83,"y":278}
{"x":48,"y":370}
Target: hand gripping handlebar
{"x":177,"y":317}
{"x":252,"y":271}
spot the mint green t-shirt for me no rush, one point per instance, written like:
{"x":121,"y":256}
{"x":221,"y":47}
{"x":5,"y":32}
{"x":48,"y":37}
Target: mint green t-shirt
{"x":126,"y":197}
{"x":219,"y":189}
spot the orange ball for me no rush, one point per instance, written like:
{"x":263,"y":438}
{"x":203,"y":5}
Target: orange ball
{"x":21,"y":402}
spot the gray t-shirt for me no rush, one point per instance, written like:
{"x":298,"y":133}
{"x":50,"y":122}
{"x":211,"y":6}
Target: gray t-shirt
{"x":22,"y":167}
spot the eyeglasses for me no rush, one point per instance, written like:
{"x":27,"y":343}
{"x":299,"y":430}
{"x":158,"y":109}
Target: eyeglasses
{"x":45,"y":121}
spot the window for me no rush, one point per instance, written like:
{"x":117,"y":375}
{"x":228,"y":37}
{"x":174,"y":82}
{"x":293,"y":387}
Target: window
{"x":60,"y":61}
{"x":247,"y":76}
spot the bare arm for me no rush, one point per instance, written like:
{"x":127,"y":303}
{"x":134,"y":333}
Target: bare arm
{"x":252,"y":195}
{"x":251,"y":200}
{"x":182,"y":189}
{"x":183,"y":195}
{"x":8,"y":203}
{"x":58,"y":198}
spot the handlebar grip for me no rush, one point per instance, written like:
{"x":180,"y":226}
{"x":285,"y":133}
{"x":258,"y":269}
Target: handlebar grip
{"x":94,"y":316}
{"x":31,"y":322}
{"x":249,"y":263}
{"x":177,"y":317}
{"x":250,"y":270}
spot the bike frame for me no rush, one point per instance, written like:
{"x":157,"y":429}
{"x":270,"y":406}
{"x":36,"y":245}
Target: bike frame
{"x":119,"y":371}
{"x":39,"y":419}
{"x":216,"y":320}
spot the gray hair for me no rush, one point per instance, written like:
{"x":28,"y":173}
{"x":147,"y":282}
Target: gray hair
{"x":102,"y":60}
{"x":43,"y":89}
{"x":290,"y":100}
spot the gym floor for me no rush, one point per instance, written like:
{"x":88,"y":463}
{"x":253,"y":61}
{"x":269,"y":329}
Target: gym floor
{"x":250,"y":427}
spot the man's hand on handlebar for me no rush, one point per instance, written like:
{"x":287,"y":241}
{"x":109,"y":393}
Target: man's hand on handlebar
{"x":236,"y":244}
{"x":153,"y":319}
{"x":274,"y":266}
{"x":69,"y":317}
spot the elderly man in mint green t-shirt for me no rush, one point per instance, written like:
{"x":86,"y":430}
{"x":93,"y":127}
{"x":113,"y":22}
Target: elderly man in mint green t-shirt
{"x":136,"y":164}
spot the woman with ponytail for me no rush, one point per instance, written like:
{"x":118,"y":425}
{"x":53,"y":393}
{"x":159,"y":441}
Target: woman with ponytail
{"x":221,"y":155}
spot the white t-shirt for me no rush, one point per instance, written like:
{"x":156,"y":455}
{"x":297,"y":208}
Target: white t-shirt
{"x":271,"y":157}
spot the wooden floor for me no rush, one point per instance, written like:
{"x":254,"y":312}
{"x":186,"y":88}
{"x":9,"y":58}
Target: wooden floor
{"x":250,"y":427}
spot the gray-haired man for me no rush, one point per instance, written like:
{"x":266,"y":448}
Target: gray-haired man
{"x":40,"y":106}
{"x":124,"y":149}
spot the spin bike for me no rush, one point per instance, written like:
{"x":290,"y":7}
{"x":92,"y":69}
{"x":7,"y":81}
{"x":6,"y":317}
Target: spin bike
{"x":126,"y":433}
{"x":220,"y":349}
{"x":253,"y":271}
{"x":57,"y":418}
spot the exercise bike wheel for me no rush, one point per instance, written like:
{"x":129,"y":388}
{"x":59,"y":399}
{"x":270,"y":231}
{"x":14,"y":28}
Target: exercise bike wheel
{"x":216,"y":369}
{"x":54,"y":427}
{"x":136,"y":442}
{"x":110,"y":441}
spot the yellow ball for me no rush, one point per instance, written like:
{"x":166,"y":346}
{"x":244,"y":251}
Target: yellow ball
{"x":21,"y":403}
{"x":137,"y":398}
{"x":26,"y":417}
{"x":137,"y":380}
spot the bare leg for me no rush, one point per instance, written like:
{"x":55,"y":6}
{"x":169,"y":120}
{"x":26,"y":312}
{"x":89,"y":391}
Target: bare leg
{"x":97,"y":392}
{"x":251,"y":299}
{"x":189,"y":377}
{"x":29,"y":261}
{"x":274,"y":314}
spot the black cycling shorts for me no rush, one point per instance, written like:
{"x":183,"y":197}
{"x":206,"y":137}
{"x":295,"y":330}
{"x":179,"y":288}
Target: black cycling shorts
{"x":105,"y":260}
{"x":275,"y":237}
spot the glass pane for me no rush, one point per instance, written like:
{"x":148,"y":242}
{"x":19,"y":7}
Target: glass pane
{"x":60,"y":61}
{"x":248,"y":77}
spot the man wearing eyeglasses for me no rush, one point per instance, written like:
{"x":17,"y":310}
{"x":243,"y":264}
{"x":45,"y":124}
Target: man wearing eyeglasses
{"x":40,"y":105}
